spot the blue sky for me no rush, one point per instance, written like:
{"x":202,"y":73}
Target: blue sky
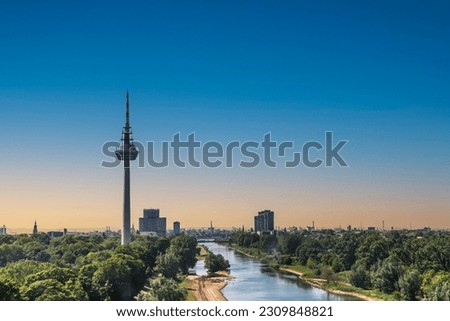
{"x":376,"y":74}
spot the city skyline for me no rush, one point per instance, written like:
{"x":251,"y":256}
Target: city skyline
{"x":226,"y":71}
{"x":312,"y":225}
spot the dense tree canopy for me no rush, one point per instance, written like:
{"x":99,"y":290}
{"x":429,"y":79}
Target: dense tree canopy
{"x":9,"y":291}
{"x":77,"y":267}
{"x":409,"y":265}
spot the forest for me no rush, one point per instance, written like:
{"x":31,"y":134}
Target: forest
{"x":392,"y":265}
{"x":396,"y":265}
{"x":94,"y":267}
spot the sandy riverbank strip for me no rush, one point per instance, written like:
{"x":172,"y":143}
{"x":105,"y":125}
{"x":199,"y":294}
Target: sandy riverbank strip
{"x":318,"y":284}
{"x":208,"y":288}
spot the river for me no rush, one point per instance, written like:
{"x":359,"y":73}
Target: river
{"x":254,"y":281}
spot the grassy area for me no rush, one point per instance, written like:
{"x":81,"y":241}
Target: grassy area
{"x":188,"y":284}
{"x":304,"y":270}
{"x":370,"y":293}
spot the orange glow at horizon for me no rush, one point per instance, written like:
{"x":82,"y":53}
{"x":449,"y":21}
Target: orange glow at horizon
{"x":195,"y":197}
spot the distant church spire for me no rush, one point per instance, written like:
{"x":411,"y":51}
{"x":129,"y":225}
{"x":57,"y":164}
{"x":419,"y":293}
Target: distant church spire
{"x":35,"y":229}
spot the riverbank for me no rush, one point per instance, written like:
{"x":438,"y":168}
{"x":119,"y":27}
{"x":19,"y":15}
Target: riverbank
{"x":243,"y":252}
{"x":205,"y":288}
{"x":320,"y":283}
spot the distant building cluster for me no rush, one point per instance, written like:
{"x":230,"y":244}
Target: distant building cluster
{"x":264,"y":222}
{"x":50,"y":233}
{"x":210,"y":235}
{"x":151,"y":224}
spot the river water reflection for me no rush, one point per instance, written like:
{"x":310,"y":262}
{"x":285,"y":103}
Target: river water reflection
{"x":254,"y":281}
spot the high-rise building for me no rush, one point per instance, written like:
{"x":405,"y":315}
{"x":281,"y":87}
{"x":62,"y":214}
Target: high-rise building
{"x":3,"y":230}
{"x":176,"y":228}
{"x":264,"y":221}
{"x":126,"y":152}
{"x":151,"y":222}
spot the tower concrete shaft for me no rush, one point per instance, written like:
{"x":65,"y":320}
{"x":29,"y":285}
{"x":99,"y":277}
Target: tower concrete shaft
{"x":126,"y":222}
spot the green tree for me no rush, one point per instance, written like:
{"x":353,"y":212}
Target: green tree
{"x":11,"y":253}
{"x":185,"y":248}
{"x":9,"y":291}
{"x":337,"y":265}
{"x":62,"y":275}
{"x":285,"y":259}
{"x":47,"y":290}
{"x":387,"y":275}
{"x":359,"y":277}
{"x":441,"y":292}
{"x":269,"y":243}
{"x":7,"y":239}
{"x":36,"y":251}
{"x":373,"y":248}
{"x":143,"y":249}
{"x":436,"y":285}
{"x":162,"y":244}
{"x":216,"y":262}
{"x":85,"y":277}
{"x":288,"y":243}
{"x":94,"y":257}
{"x":432,"y":253}
{"x":309,"y":249}
{"x":66,"y":249}
{"x":246,"y":239}
{"x":327,"y":274}
{"x":66,"y":278}
{"x":332,"y":260}
{"x":163,"y":289}
{"x":120,"y":277}
{"x":109,"y":243}
{"x":345,"y":248}
{"x":409,"y":284}
{"x":19,"y":271}
{"x":168,"y":265}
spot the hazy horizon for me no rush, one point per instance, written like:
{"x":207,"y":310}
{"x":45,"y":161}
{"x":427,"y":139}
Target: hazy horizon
{"x":23,"y":230}
{"x":375,"y":74}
